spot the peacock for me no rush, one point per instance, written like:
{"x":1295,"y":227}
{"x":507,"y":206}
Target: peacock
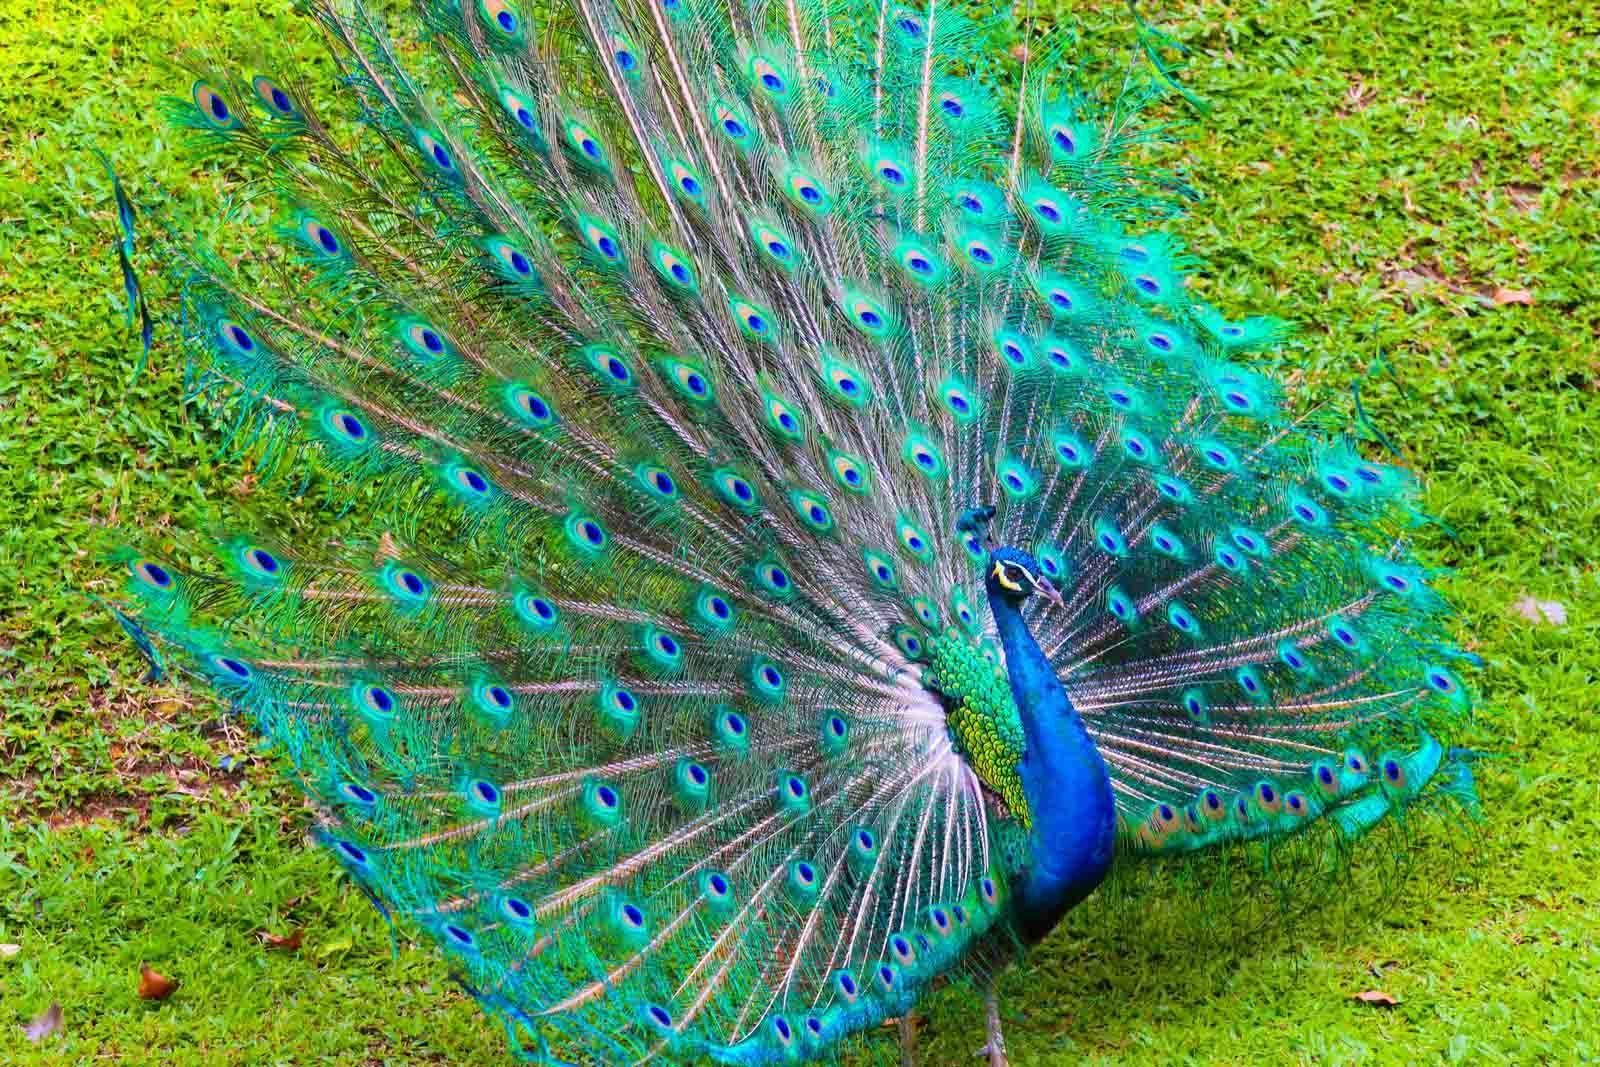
{"x":777,"y":527}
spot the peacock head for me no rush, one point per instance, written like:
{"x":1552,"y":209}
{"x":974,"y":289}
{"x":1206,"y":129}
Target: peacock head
{"x":1014,"y":576}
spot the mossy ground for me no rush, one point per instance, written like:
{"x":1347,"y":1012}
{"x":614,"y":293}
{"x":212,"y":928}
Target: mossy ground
{"x":1416,"y":179}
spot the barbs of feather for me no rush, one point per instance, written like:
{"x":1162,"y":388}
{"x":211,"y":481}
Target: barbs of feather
{"x":1154,"y":41}
{"x":133,"y":291}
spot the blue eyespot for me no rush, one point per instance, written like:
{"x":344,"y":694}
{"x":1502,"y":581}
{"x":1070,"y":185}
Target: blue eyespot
{"x":261,"y":561}
{"x":324,"y":237}
{"x":238,"y":669}
{"x":237,"y":337}
{"x":152,"y":573}
{"x":352,"y":852}
{"x":275,"y":99}
{"x":213,"y":107}
{"x":359,"y":794}
{"x":591,"y":533}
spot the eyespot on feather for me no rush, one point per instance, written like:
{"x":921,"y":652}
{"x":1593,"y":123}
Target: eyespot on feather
{"x":213,"y":108}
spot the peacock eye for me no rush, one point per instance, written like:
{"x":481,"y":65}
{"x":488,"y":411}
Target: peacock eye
{"x":1014,"y":574}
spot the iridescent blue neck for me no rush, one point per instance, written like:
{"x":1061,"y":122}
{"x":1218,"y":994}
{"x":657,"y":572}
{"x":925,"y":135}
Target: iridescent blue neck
{"x":1064,"y":779}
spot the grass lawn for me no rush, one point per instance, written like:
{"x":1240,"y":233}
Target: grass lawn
{"x":1416,"y":179}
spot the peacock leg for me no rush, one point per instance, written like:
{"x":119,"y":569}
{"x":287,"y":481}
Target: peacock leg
{"x":996,"y":1048}
{"x":908,"y":1041}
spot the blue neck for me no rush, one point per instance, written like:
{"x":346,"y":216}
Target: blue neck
{"x":1064,"y":780}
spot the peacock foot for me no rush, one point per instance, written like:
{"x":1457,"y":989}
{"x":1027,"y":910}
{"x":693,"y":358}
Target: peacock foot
{"x":908,"y":1041}
{"x":996,"y":1048}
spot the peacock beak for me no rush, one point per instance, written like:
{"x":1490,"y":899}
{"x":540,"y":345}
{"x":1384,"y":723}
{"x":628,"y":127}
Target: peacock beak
{"x":1045,"y":588}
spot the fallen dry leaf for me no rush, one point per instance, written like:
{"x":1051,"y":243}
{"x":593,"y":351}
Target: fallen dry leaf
{"x":1503,"y":296}
{"x":1377,"y":997}
{"x":44,"y":1025}
{"x":289,"y":942}
{"x":153,"y":985}
{"x":1534,"y":610}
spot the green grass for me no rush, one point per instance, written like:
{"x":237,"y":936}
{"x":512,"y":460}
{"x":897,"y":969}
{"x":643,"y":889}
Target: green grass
{"x":1375,"y":171}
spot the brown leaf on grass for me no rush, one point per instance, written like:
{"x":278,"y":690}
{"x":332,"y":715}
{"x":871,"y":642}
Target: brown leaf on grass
{"x":289,"y":942}
{"x":1503,"y":296}
{"x":1377,"y":998}
{"x":44,"y":1025}
{"x":153,"y":985}
{"x":1357,"y":96}
{"x":1534,"y":610}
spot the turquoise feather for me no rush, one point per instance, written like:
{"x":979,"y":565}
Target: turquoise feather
{"x":813,"y":534}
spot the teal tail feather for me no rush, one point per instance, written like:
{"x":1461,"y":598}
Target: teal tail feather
{"x":133,"y":292}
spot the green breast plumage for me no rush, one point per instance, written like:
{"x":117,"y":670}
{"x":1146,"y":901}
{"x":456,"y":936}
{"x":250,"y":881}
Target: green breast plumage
{"x":982,"y":717}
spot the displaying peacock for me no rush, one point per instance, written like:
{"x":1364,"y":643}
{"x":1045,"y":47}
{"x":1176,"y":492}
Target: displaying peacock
{"x":809,"y":533}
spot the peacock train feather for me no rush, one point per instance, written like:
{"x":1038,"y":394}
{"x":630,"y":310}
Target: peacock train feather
{"x":810,"y":532}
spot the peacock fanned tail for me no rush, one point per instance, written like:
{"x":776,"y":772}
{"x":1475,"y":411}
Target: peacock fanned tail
{"x":657,"y":346}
